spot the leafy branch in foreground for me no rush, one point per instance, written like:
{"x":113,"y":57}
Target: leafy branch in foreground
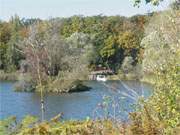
{"x":162,"y":59}
{"x":154,"y":2}
{"x":30,"y":126}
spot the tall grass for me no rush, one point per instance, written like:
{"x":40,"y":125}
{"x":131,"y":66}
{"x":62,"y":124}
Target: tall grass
{"x":13,"y":76}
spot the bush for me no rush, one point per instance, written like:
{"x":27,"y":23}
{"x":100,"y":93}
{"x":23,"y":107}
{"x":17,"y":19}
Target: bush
{"x":161,"y":57}
{"x":30,"y":126}
{"x":8,"y":76}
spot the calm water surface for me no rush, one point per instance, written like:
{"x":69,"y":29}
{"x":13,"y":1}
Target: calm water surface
{"x":73,"y":105}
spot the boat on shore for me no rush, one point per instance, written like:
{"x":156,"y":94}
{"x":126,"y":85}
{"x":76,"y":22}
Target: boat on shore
{"x":101,"y":78}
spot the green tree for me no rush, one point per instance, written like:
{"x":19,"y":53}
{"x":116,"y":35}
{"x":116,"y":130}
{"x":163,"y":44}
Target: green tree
{"x":5,"y":35}
{"x":109,"y":49}
{"x":13,"y":55}
{"x":128,"y":41}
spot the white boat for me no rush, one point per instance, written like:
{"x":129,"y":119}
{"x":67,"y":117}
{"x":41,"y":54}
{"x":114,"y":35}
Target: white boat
{"x":101,"y":78}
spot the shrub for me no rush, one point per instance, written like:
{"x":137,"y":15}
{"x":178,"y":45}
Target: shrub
{"x":30,"y":126}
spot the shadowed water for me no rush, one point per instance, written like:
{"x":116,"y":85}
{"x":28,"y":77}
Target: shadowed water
{"x":73,"y":105}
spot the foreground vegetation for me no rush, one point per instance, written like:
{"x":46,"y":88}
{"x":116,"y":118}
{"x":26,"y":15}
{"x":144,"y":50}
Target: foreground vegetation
{"x":162,"y":57}
{"x":13,"y":76}
{"x":29,"y":126}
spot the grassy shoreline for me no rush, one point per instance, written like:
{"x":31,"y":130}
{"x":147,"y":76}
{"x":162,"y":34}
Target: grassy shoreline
{"x":13,"y":76}
{"x":144,"y":79}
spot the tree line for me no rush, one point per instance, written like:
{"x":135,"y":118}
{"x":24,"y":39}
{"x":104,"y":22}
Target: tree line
{"x":112,"y":37}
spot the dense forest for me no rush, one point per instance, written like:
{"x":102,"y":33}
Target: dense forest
{"x":112,"y":37}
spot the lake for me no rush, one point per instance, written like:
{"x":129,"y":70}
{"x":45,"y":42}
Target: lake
{"x":120,"y":96}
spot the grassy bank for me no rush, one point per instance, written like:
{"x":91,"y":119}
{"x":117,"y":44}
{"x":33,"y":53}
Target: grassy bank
{"x":130,"y":77}
{"x":13,"y":76}
{"x":122,"y":77}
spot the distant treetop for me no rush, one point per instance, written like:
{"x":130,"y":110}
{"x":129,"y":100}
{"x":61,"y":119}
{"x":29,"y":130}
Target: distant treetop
{"x":154,"y":2}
